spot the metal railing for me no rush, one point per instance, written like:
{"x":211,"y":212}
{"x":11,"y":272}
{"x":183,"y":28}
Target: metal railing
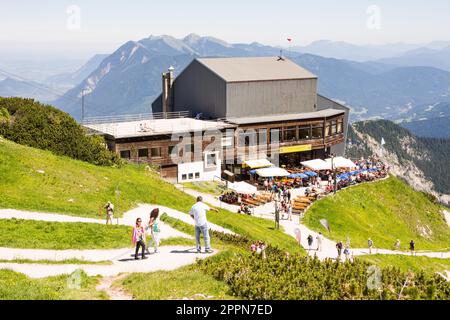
{"x":136,"y":117}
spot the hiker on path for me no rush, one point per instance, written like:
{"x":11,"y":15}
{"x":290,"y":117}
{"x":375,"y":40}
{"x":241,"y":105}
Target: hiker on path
{"x":370,"y":245}
{"x":153,"y":225}
{"x":310,"y":242}
{"x":198,"y":213}
{"x":289,"y":211}
{"x":397,"y":244}
{"x":319,"y":241}
{"x":109,"y":212}
{"x":138,"y":238}
{"x":412,"y":247}
{"x":339,"y":247}
{"x":347,"y":253}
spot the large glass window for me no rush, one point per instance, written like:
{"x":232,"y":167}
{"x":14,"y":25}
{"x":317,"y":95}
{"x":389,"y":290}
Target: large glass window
{"x":125,"y":154}
{"x":275,"y":135}
{"x":317,"y":132}
{"x":327,"y":129}
{"x":189,"y":148}
{"x":173,"y":150}
{"x":262,"y":137}
{"x":143,"y":153}
{"x":333,"y":127}
{"x":156,"y":152}
{"x":340,"y":126}
{"x":304,"y":133}
{"x":248,"y":139}
{"x":290,"y":134}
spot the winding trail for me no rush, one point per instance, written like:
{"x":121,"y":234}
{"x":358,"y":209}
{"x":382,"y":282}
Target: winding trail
{"x":292,"y":228}
{"x":169,"y":257}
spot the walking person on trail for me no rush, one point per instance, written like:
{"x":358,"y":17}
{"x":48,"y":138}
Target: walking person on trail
{"x":319,"y":241}
{"x":397,"y":244}
{"x":153,"y":225}
{"x":198,"y":213}
{"x":109,"y":212}
{"x":339,"y":247}
{"x":138,"y":238}
{"x":412,"y":247}
{"x":310,"y":242}
{"x":370,"y":245}
{"x":289,"y":211}
{"x":347,"y":253}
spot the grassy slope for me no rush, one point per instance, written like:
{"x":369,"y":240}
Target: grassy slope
{"x":205,"y":187}
{"x":16,"y":286}
{"x":22,"y":187}
{"x":408,"y":263}
{"x":384,"y":210}
{"x":59,"y":235}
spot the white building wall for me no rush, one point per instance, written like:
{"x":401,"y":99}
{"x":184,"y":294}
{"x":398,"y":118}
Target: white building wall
{"x":199,"y":171}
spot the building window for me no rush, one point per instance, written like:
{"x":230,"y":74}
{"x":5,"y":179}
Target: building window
{"x":340,"y":126}
{"x":290,"y":134}
{"x":189,"y":148}
{"x":156,"y":152}
{"x":211,"y":160}
{"x":333,"y":127}
{"x":191,"y":176}
{"x":262,"y":137}
{"x":248,"y":139}
{"x":173,"y":150}
{"x":327,"y":129}
{"x":304,"y":133}
{"x":143,"y":153}
{"x":197,"y":175}
{"x":317,"y":132}
{"x":183,"y":177}
{"x":275,"y":135}
{"x":125,"y":154}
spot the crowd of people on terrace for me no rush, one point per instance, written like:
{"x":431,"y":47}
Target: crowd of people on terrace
{"x":316,"y":184}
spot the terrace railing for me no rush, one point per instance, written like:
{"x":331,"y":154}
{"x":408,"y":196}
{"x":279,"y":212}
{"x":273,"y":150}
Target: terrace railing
{"x":136,"y":117}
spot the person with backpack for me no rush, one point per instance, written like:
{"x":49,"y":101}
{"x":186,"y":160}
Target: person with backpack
{"x":153,"y":225}
{"x":310,"y":241}
{"x":138,"y":238}
{"x":412,"y":247}
{"x":370,"y":245}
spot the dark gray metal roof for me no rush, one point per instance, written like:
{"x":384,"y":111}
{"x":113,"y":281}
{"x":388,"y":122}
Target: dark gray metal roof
{"x":255,"y":69}
{"x":285,"y":117}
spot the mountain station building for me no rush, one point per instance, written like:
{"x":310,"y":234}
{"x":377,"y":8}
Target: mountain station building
{"x":268,"y":101}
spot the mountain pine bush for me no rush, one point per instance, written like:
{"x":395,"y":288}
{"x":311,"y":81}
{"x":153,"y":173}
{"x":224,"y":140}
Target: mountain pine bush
{"x":31,"y":123}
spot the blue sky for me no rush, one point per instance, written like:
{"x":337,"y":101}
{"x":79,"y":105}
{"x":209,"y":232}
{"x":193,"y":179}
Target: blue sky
{"x":41,"y":26}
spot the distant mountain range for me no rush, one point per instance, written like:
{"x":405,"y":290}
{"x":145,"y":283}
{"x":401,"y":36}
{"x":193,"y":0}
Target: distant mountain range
{"x":130,"y":78}
{"x":363,"y":53}
{"x":10,"y":87}
{"x":74,"y":78}
{"x":437,"y":58}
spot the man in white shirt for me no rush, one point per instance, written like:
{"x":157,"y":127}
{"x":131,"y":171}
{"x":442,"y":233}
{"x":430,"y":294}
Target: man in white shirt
{"x":198,"y":213}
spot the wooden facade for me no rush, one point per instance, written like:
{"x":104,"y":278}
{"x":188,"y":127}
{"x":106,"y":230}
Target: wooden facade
{"x":318,"y":134}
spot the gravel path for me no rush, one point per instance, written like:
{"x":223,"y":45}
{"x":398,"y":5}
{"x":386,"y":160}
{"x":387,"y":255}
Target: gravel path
{"x":294,"y":227}
{"x":128,"y":220}
{"x":169,"y":258}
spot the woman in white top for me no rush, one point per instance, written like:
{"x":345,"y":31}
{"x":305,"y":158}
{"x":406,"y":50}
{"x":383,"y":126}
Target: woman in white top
{"x":153,"y":225}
